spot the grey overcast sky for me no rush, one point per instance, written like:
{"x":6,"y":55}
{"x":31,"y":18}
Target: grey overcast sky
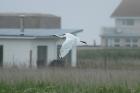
{"x":90,"y":15}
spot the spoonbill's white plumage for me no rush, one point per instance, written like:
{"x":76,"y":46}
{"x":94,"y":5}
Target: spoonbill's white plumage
{"x":70,"y":42}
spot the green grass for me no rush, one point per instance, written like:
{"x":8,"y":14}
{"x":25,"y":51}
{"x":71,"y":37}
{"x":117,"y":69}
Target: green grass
{"x":109,"y":58}
{"x":41,"y":87}
{"x":121,"y":75}
{"x":110,"y":53}
{"x":62,"y":80}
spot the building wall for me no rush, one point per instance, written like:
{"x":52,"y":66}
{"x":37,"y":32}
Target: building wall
{"x":49,"y":22}
{"x":104,"y":42}
{"x":17,"y":52}
{"x":121,"y":42}
{"x":121,"y":24}
{"x":52,"y":49}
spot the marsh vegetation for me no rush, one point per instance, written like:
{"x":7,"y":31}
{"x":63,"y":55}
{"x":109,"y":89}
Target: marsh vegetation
{"x":98,"y":71}
{"x":120,"y":58}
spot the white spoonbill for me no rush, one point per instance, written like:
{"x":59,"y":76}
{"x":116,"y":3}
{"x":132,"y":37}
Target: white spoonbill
{"x":68,"y":44}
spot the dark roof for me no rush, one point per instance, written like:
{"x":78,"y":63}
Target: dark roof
{"x":127,"y":8}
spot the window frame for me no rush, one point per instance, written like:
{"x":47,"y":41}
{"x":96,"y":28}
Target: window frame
{"x":127,"y":22}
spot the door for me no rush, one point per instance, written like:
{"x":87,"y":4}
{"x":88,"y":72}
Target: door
{"x":41,"y":56}
{"x":1,"y":55}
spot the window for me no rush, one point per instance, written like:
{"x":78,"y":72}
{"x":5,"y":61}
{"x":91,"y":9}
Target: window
{"x":117,"y":40}
{"x":128,"y":22}
{"x":127,"y":45}
{"x":135,"y":40}
{"x":128,"y":40}
{"x":117,"y":45}
{"x":135,"y":45}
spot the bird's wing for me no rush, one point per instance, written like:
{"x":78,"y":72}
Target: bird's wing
{"x":66,"y":47}
{"x":64,"y":52}
{"x":70,"y":41}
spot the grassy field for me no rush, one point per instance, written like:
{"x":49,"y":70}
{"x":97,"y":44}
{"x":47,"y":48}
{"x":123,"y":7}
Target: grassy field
{"x":98,"y":71}
{"x":62,"y":80}
{"x":109,"y":58}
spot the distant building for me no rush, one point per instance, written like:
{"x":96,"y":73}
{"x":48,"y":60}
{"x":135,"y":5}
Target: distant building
{"x":126,"y":32}
{"x":27,"y":39}
{"x":31,"y":20}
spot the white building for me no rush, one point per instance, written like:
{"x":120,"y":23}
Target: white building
{"x":126,"y":32}
{"x":33,"y":45}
